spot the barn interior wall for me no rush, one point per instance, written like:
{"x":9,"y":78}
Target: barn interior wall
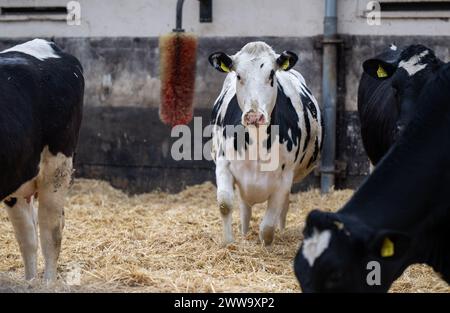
{"x":122,"y":139}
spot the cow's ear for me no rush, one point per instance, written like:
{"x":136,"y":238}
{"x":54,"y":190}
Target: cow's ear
{"x":379,"y":69}
{"x":323,"y":220}
{"x":287,"y":60}
{"x":221,"y":62}
{"x":389,"y":244}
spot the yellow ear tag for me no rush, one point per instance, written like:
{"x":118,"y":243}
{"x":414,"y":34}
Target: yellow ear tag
{"x":387,"y":249}
{"x":224,"y":67}
{"x":285,"y":65}
{"x":381,"y":73}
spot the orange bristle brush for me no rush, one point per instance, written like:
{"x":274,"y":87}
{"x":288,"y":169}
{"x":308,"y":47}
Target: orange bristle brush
{"x":178,"y":52}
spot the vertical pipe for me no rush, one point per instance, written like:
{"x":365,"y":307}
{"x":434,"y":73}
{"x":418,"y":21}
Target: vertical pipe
{"x":329,"y":96}
{"x":179,"y":17}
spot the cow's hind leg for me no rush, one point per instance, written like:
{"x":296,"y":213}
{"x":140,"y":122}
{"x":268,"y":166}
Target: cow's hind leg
{"x":53,"y":184}
{"x":246,"y":215}
{"x":225,"y":195}
{"x":23,"y":217}
{"x":284,"y":212}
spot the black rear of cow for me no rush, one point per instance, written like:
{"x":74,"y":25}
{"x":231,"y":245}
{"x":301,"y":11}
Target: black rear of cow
{"x":378,"y":113}
{"x":387,"y":92}
{"x":41,"y":100}
{"x":41,"y":104}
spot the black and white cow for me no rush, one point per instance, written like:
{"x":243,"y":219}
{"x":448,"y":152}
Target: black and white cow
{"x":41,"y":99}
{"x":388,"y":89}
{"x":262,"y":92}
{"x":398,"y":217}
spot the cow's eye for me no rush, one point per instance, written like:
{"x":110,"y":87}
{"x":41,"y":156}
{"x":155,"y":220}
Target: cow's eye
{"x":238,"y":77}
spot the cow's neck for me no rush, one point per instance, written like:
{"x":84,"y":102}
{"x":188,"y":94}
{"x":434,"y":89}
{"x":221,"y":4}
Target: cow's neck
{"x":431,"y":245}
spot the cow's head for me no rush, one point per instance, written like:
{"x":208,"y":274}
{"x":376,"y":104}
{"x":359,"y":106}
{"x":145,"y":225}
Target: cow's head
{"x":336,"y":252}
{"x":407,"y":73}
{"x":254,"y":68}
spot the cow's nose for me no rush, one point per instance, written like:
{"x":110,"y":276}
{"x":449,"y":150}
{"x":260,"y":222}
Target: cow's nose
{"x":254,"y":118}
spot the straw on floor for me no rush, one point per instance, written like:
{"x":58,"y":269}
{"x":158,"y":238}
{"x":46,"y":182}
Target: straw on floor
{"x":159,"y":242}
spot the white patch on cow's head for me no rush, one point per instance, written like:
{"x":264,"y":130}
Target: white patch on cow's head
{"x":256,"y":86}
{"x":393,"y":47}
{"x":413,"y":65}
{"x":38,"y":48}
{"x":314,"y":246}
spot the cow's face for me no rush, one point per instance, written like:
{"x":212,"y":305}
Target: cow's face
{"x":337,"y":255}
{"x":408,"y":74}
{"x":254,"y":68}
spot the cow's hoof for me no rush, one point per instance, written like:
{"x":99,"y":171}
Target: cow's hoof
{"x":267,"y":234}
{"x":227,"y":241}
{"x":49,"y":283}
{"x":49,"y":278}
{"x":33,"y":283}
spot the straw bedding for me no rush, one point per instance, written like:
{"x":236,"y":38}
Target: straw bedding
{"x":160,"y":242}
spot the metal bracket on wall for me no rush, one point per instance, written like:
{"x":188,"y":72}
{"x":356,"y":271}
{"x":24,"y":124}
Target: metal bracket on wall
{"x":205,"y":11}
{"x":319,"y":41}
{"x":340,"y":169}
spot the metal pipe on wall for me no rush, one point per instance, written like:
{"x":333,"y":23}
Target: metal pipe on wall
{"x":329,"y":96}
{"x":179,"y":17}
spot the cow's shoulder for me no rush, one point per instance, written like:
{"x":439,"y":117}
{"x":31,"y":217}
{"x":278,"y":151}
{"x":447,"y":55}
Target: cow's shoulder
{"x":291,"y":82}
{"x":295,"y":87}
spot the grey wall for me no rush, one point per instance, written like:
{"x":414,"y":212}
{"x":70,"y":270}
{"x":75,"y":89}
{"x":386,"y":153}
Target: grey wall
{"x":123,"y":141}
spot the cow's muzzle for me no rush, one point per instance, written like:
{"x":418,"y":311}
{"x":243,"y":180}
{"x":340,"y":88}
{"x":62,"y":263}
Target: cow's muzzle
{"x":254,"y":118}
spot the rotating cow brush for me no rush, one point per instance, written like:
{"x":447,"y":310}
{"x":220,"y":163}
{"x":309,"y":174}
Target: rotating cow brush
{"x":178,"y":51}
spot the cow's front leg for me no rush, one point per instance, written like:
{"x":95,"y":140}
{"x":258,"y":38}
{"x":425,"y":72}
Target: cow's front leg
{"x":53,"y":187}
{"x":225,"y":195}
{"x":23,"y":217}
{"x":274,"y":210}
